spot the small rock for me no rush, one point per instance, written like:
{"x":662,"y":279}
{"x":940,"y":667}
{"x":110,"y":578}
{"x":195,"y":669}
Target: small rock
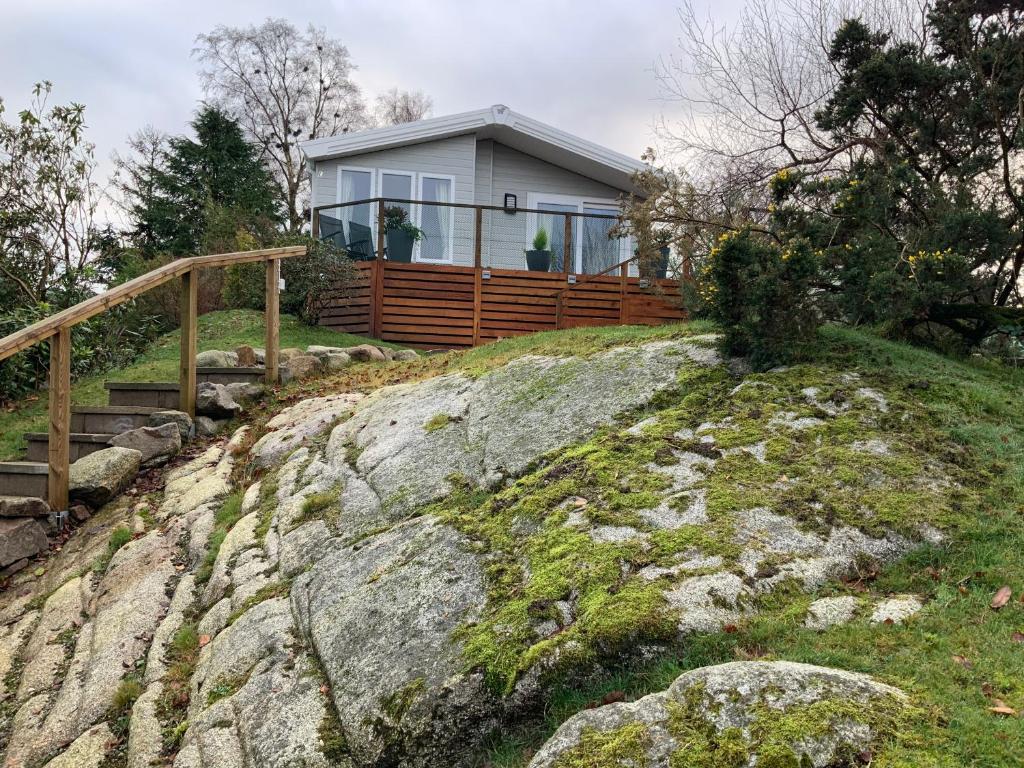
{"x":206,"y":427}
{"x":215,"y":400}
{"x":180,"y":418}
{"x":366,"y":353}
{"x":242,"y":391}
{"x":246,"y":356}
{"x":156,"y":444}
{"x":405,"y":355}
{"x":286,"y":354}
{"x":261,"y":355}
{"x":14,"y":567}
{"x":830,"y":611}
{"x":20,"y":538}
{"x":215,"y":358}
{"x":79,"y":513}
{"x":100,"y":476}
{"x":896,"y":610}
{"x":337,"y":360}
{"x":23,"y":506}
{"x":299,"y":367}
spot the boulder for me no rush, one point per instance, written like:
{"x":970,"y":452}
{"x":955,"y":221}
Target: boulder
{"x":244,"y":391}
{"x":183,"y":421}
{"x":23,"y":506}
{"x":405,"y":355}
{"x":286,"y":354}
{"x":215,"y":400}
{"x":366,"y":353}
{"x":20,"y":538}
{"x":299,"y":367}
{"x":156,"y":444}
{"x":318,"y":350}
{"x":216,"y":358}
{"x":336,"y":361}
{"x":97,"y":478}
{"x":245,"y":356}
{"x":207,"y":427}
{"x":261,"y":355}
{"x":762,"y":712}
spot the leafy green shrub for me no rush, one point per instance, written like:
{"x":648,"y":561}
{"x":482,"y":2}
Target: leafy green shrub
{"x":310,"y":280}
{"x":108,"y":340}
{"x":762,"y":294}
{"x":540,"y":240}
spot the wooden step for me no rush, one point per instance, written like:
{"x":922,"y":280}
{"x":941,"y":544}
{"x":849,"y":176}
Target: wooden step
{"x":109,"y":419}
{"x":82,"y":444}
{"x":24,"y":478}
{"x":164,"y":394}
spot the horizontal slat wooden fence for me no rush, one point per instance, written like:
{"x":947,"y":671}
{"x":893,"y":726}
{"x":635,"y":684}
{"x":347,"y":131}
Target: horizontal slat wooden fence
{"x":443,"y":306}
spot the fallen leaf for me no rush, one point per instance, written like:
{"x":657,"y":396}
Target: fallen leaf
{"x":999,"y":707}
{"x":1017,"y":637}
{"x":964,"y":662}
{"x":613,"y":696}
{"x":730,"y":628}
{"x":987,"y":689}
{"x":580,"y":501}
{"x":204,"y":640}
{"x":1001,"y":598}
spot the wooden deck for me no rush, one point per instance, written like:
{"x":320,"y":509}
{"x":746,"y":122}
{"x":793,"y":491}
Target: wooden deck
{"x":429,"y":305}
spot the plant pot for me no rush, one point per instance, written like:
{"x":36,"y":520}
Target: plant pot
{"x":538,"y":261}
{"x":661,"y":270}
{"x":400,"y":246}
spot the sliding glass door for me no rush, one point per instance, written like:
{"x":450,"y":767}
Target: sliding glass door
{"x":554,"y":225}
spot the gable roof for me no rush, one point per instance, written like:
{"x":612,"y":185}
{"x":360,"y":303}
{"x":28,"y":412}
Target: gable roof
{"x":500,"y":124}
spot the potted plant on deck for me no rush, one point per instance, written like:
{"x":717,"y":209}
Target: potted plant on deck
{"x":539,"y":259}
{"x":401,"y":234}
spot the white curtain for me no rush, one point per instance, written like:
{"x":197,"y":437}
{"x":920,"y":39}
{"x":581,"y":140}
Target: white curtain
{"x":436,"y":220}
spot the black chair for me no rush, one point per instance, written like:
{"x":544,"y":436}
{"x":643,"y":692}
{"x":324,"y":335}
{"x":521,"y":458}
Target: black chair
{"x":359,"y":247}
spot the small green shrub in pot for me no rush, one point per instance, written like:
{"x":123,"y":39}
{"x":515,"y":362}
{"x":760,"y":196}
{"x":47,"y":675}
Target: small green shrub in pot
{"x":402,"y":235}
{"x":539,"y":258}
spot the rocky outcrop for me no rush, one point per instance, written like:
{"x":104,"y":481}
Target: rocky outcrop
{"x":765,"y":713}
{"x":382,"y":618}
{"x":99,"y":477}
{"x":399,"y":574}
{"x":156,"y":444}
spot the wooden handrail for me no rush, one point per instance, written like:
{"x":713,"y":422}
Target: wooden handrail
{"x":57,"y":328}
{"x":47,"y":327}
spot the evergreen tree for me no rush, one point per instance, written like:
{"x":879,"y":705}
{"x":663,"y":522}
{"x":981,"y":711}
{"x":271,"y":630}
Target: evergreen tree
{"x":206,"y":190}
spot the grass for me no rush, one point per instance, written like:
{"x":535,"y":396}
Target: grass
{"x":217,"y":330}
{"x":958,"y":657}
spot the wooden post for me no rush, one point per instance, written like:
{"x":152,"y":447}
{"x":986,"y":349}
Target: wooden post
{"x":567,"y":250}
{"x":59,"y":452}
{"x":314,"y":226}
{"x":478,"y":280}
{"x":377,"y":278}
{"x":272,"y":318}
{"x":623,"y":293}
{"x":187,"y":361}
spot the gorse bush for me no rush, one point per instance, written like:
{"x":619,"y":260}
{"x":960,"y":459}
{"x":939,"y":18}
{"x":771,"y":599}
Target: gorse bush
{"x":762,"y":294}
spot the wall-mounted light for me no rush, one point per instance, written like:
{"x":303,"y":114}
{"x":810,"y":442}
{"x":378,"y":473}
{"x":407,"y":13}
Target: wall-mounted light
{"x":510,"y":203}
{"x":572,"y":279}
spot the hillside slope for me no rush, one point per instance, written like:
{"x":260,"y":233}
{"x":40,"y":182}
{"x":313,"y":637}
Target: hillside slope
{"x":504,"y":537}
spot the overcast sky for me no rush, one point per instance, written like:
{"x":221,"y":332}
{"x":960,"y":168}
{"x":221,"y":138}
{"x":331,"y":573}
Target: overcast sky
{"x":584,"y":66}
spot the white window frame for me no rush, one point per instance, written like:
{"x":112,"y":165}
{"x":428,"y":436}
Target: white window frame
{"x":450,"y":250}
{"x":373,"y":193}
{"x":535,"y":199}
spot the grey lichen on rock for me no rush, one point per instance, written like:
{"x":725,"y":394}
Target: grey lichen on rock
{"x":773,"y":714}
